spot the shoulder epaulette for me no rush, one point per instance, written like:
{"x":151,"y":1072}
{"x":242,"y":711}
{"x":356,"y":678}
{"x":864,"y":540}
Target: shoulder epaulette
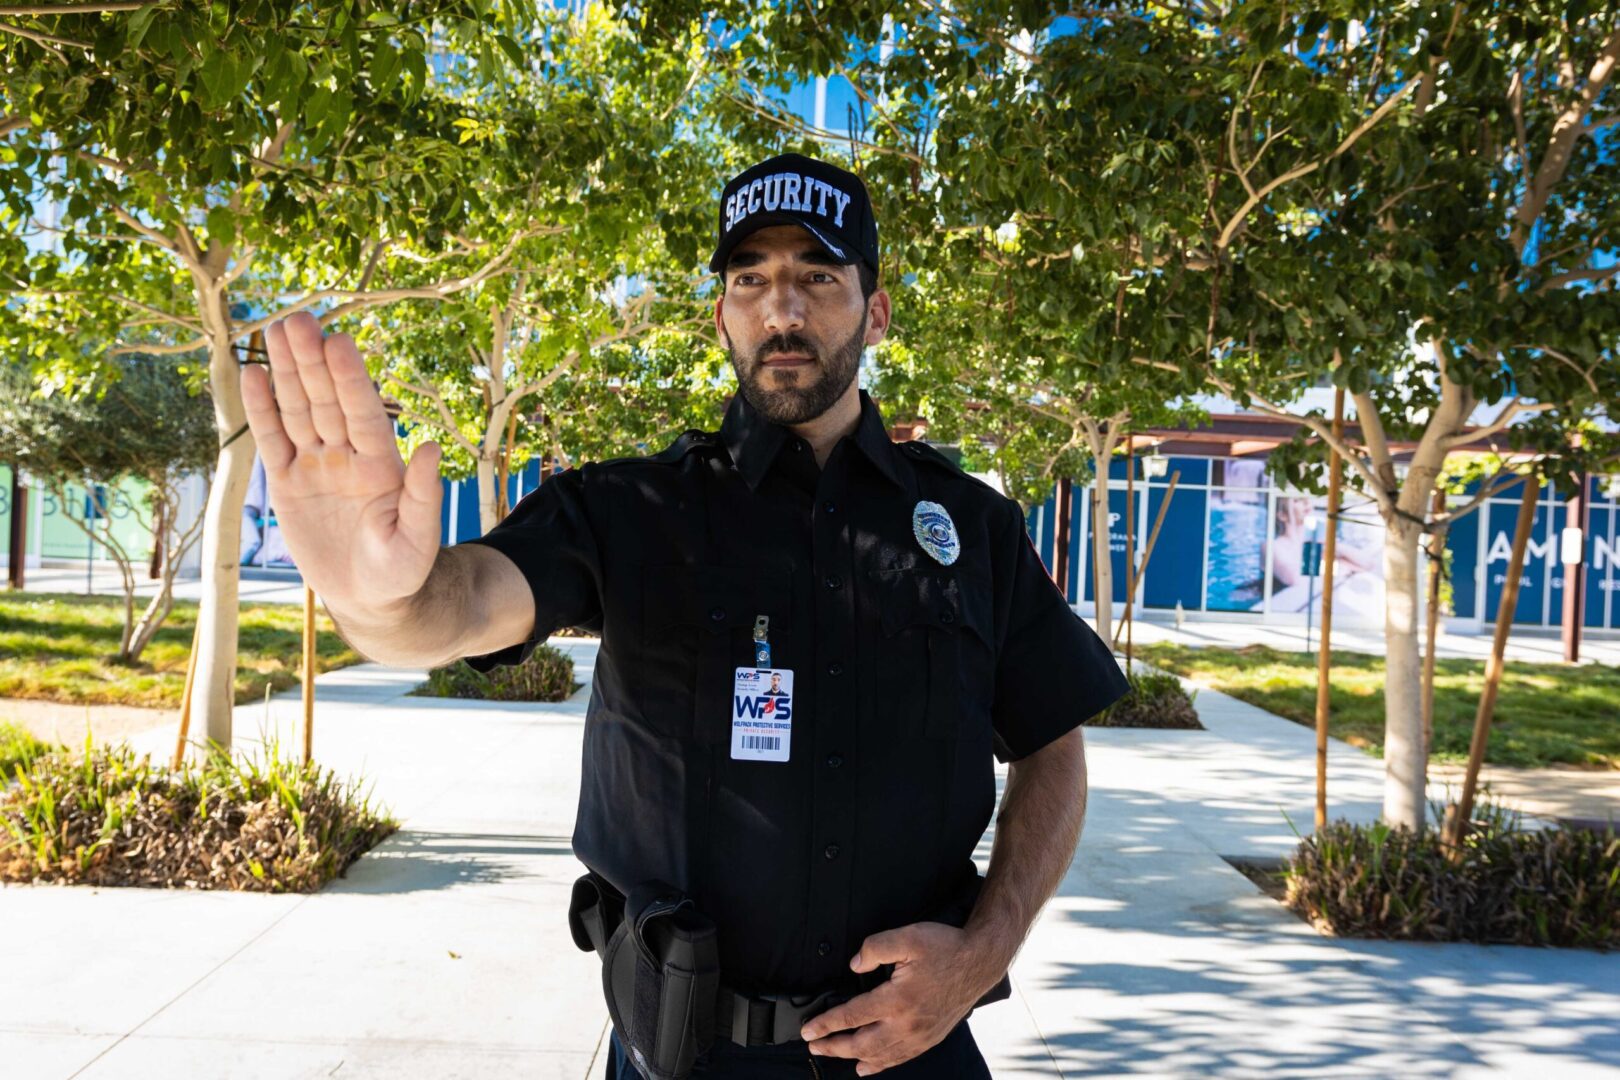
{"x":922,"y":451}
{"x":688,"y":441}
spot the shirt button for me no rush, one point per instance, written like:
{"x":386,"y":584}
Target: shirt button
{"x":830,"y":507}
{"x":834,"y":760}
{"x":798,"y":445}
{"x":835,"y":668}
{"x":946,"y":617}
{"x":823,"y":948}
{"x":717,"y":614}
{"x":832,"y":851}
{"x":833,"y":581}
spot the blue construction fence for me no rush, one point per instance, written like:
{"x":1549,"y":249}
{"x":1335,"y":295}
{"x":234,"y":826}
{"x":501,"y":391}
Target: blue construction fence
{"x":1231,"y":541}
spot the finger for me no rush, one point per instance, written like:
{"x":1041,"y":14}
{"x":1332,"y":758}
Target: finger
{"x":869,"y":1044}
{"x":309,"y":349}
{"x":370,"y":430}
{"x":858,"y":1010}
{"x":885,"y":947}
{"x":420,"y":499}
{"x":291,"y":401}
{"x":274,"y":446}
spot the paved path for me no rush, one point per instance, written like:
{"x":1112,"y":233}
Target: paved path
{"x":444,"y":954}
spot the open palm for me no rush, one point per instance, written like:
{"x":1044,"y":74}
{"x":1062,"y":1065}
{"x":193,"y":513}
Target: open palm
{"x":362,"y":526}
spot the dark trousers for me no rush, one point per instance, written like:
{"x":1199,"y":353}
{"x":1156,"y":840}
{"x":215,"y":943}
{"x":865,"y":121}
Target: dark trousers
{"x":955,"y":1057}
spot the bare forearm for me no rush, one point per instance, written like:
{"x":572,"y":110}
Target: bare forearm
{"x":473,"y":602}
{"x":1037,"y":829}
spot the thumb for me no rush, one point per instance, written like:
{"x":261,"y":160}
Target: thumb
{"x":881,"y":948}
{"x":420,"y":497}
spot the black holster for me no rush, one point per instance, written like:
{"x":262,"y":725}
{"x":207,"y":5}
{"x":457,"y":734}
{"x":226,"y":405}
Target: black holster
{"x":660,"y":969}
{"x":661,"y":974}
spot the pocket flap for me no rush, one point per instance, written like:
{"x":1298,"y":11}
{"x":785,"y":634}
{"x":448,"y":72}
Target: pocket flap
{"x":932,"y":597}
{"x":715,"y":598}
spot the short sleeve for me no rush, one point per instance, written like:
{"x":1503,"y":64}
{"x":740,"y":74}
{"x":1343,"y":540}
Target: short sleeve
{"x":1052,"y":672}
{"x":549,"y":537}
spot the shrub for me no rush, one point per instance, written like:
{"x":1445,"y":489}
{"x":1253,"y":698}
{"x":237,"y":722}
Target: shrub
{"x":1507,"y":885}
{"x":18,"y":749}
{"x":547,"y":675}
{"x":103,"y":818}
{"x":1155,"y":700}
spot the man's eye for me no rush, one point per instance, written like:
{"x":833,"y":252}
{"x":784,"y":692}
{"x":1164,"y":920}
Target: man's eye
{"x":822,"y":275}
{"x":746,"y":279}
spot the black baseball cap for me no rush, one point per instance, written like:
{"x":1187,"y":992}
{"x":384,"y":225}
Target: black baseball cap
{"x":791,"y":189}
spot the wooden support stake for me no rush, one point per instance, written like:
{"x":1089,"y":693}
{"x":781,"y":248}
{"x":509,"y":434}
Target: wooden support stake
{"x":1130,"y":545}
{"x":1153,"y":536}
{"x":1324,"y":656}
{"x":1097,"y":509}
{"x":309,"y":673}
{"x":1437,"y":543}
{"x":1457,"y":816}
{"x":185,"y":695}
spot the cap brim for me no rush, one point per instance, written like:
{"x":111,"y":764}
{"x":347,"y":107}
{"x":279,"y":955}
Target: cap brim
{"x":755,"y":222}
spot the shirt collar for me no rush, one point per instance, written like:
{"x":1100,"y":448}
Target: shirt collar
{"x":753,"y":442}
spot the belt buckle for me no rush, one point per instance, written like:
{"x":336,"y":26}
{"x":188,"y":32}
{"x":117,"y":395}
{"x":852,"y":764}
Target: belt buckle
{"x":804,"y":1006}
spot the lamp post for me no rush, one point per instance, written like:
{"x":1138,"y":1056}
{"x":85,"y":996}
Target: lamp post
{"x":1572,"y":553}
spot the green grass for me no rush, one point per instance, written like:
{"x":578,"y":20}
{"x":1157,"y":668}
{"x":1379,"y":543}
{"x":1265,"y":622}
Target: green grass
{"x":1546,"y":714}
{"x":63,"y":648}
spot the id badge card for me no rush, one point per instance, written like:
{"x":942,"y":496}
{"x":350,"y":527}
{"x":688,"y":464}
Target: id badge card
{"x":762,"y":714}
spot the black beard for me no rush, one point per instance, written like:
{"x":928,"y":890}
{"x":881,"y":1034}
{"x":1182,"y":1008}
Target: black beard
{"x":793,"y":405}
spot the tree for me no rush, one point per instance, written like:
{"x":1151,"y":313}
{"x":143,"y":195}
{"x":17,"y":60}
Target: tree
{"x":1456,"y":259}
{"x":142,"y":424}
{"x":215,"y":175}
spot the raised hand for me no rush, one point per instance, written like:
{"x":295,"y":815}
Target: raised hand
{"x":362,"y":526}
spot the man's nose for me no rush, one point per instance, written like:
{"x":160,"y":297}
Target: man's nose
{"x":784,"y":308}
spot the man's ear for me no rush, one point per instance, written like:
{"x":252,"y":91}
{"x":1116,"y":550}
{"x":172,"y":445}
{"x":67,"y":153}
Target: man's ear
{"x":719,"y":319}
{"x":878,"y":314}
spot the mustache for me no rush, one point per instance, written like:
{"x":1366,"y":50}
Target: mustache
{"x":785,"y":343}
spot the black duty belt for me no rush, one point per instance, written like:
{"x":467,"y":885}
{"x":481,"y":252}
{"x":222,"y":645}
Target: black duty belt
{"x":661,"y":978}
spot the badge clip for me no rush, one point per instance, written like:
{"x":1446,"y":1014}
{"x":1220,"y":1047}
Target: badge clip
{"x":762,"y":646}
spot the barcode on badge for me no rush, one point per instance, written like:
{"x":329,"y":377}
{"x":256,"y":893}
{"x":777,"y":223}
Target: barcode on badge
{"x":761,"y":742}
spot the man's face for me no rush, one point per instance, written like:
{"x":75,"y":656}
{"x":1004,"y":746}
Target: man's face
{"x":794,"y":323}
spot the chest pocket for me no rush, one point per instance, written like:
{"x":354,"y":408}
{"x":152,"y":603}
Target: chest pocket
{"x":936,"y":621}
{"x":697,"y":629}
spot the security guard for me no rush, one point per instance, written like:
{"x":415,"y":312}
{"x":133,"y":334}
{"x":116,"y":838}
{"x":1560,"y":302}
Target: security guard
{"x":819,"y":841}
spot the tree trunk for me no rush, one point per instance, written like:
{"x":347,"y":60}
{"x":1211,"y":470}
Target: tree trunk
{"x":154,"y":567}
{"x":1404,"y":764}
{"x":1102,"y":590}
{"x":1102,"y":435}
{"x":173,"y":543}
{"x":488,"y":511}
{"x":215,"y":691}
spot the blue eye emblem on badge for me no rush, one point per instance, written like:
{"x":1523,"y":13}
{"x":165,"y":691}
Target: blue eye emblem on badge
{"x":931,"y":524}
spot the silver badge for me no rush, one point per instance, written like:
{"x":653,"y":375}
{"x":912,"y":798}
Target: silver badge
{"x":932,"y":525}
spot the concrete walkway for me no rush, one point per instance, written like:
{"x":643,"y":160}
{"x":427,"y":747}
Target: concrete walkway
{"x":445,"y":954}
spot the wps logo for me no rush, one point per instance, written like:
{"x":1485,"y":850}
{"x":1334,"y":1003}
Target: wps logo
{"x":758,"y":707}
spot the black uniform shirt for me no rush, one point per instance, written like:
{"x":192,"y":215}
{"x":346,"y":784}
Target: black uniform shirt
{"x":908,"y":676}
